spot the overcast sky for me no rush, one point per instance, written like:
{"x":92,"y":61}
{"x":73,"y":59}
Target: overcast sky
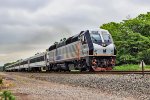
{"x":31,"y":26}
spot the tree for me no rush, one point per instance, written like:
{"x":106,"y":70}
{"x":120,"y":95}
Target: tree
{"x":132,"y":38}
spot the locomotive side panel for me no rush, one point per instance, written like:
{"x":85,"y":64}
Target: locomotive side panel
{"x":51,"y":55}
{"x":72,"y":51}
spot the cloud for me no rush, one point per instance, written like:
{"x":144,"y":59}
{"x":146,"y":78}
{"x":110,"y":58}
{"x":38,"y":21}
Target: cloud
{"x":23,"y":4}
{"x":30,"y":26}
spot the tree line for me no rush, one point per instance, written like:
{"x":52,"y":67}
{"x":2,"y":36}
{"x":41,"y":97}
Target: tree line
{"x":132,"y":39}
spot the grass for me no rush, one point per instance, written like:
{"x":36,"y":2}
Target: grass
{"x":130,"y":67}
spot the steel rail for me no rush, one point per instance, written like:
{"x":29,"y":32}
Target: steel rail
{"x":103,"y":72}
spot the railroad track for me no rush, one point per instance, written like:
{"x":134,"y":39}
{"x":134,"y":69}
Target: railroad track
{"x":103,"y":72}
{"x":124,"y":72}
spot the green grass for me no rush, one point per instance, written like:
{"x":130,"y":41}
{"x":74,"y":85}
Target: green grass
{"x":130,"y":67}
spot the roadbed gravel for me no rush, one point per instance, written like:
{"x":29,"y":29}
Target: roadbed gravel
{"x":50,"y":86}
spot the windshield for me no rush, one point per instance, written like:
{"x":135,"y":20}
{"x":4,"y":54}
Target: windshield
{"x":96,"y":38}
{"x":106,"y":37}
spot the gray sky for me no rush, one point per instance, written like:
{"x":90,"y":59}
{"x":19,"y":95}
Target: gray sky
{"x":31,"y":26}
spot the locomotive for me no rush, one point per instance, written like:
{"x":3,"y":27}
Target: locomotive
{"x":90,"y":50}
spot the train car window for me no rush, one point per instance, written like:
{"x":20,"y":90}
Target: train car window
{"x":38,"y":59}
{"x":32,"y":61}
{"x":41,"y":58}
{"x":24,"y":62}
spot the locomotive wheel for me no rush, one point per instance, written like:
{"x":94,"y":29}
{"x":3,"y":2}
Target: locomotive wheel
{"x":67,"y":67}
{"x":87,"y":68}
{"x":50,"y":68}
{"x":79,"y":66}
{"x":84,"y":67}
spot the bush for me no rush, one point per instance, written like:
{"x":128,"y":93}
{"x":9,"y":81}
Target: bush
{"x":145,"y":55}
{"x":7,"y":95}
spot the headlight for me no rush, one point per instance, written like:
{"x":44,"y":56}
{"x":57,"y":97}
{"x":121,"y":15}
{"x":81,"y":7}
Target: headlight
{"x":104,"y":45}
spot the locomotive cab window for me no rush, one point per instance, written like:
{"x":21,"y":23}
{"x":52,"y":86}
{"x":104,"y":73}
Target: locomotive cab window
{"x":96,"y":38}
{"x":106,"y":37}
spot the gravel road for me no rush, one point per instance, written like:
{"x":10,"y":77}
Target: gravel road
{"x":55,"y":87}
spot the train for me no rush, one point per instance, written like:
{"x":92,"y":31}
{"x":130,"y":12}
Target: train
{"x":89,"y":50}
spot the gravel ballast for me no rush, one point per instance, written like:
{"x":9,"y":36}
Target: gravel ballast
{"x":125,"y":86}
{"x":122,"y":85}
{"x":27,"y":88}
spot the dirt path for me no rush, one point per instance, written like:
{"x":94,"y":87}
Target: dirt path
{"x":31,"y":89}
